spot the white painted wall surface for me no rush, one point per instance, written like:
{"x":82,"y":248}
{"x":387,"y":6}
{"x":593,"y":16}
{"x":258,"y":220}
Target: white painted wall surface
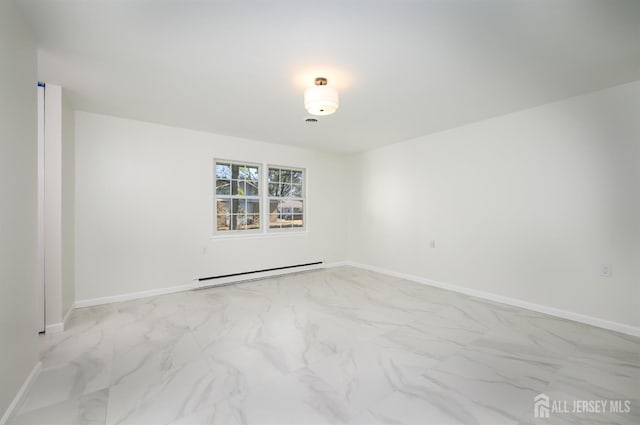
{"x":527,"y":205}
{"x":18,"y":157}
{"x":144,"y":207}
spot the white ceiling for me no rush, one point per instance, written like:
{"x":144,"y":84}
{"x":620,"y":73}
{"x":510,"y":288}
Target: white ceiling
{"x":403,"y":68}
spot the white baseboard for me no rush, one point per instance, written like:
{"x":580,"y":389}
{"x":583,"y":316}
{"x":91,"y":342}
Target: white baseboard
{"x":54,"y":328}
{"x":552,"y":311}
{"x":60,"y":326}
{"x":23,"y":390}
{"x":132,"y":296}
{"x":335,"y":264}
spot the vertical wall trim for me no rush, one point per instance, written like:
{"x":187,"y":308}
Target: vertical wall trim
{"x":40,"y":279}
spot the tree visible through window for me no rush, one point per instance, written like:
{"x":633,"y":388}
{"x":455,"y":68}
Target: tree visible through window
{"x":286,"y":198}
{"x":237,"y":196}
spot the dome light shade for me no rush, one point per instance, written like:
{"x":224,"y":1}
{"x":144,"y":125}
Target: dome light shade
{"x":321,"y":99}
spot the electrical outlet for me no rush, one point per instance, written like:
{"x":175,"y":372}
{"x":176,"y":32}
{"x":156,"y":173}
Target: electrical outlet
{"x":605,"y":270}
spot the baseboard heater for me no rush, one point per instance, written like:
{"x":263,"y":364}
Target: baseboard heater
{"x":222,"y":276}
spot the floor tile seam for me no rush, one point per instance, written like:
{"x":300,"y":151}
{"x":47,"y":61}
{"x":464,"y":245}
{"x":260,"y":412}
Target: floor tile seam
{"x":106,"y":404}
{"x":109,"y":404}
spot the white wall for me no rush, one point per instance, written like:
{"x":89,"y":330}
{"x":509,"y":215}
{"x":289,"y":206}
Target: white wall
{"x":144,"y":207}
{"x":527,"y":205}
{"x":18,"y":157}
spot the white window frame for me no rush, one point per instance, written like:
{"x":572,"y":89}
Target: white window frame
{"x":264,"y":198}
{"x":259,"y":198}
{"x":268,"y":199}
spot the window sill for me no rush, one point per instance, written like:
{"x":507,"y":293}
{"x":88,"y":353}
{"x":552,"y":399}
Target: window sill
{"x":261,"y":235}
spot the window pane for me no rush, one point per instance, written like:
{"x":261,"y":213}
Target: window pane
{"x":285,"y":213}
{"x":298,"y":216}
{"x":222,"y":222}
{"x":238,"y":188}
{"x":276,"y":224}
{"x":296,"y":177}
{"x":273,"y":189}
{"x":223,"y":187}
{"x":242,"y":220}
{"x":285,"y":176}
{"x":297,"y":206}
{"x":235,"y":171}
{"x":253,"y":221}
{"x":243,"y":172}
{"x":223,"y":206}
{"x":296,"y":190}
{"x":239,"y":206}
{"x":252,"y":187}
{"x":253,"y":206}
{"x":284,"y":190}
{"x":274,"y":175}
{"x":238,"y":222}
{"x":273,"y":213}
{"x":253,"y":173}
{"x":223,"y":171}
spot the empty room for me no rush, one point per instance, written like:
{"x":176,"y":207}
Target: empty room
{"x":340,"y":212}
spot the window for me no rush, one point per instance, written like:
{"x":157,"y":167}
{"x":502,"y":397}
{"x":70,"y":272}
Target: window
{"x":237,"y":196}
{"x":286,"y":197}
{"x":251,"y":198}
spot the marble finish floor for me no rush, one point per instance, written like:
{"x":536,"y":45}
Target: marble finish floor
{"x":337,"y":346}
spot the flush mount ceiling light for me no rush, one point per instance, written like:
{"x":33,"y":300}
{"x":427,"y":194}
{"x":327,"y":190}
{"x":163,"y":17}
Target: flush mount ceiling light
{"x":321,"y":99}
